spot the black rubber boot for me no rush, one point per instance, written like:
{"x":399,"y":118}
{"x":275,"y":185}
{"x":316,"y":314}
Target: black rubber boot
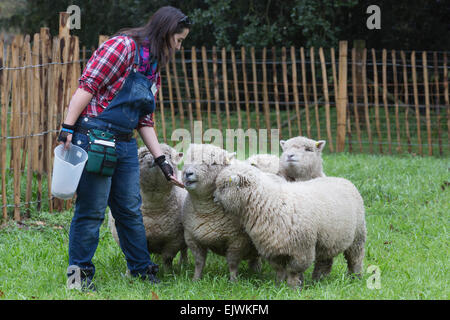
{"x":150,"y":274}
{"x":80,"y":279}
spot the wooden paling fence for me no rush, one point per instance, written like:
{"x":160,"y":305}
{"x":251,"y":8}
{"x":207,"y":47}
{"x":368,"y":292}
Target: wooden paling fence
{"x":359,"y":100}
{"x":37,"y":79}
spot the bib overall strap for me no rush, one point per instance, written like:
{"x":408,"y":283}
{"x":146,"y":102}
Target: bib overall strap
{"x":136,"y":56}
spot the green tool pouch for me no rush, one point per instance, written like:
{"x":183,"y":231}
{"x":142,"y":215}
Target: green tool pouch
{"x":102,"y":157}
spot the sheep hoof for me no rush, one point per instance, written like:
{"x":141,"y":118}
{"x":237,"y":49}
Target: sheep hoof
{"x":196,"y":278}
{"x":354,"y":276}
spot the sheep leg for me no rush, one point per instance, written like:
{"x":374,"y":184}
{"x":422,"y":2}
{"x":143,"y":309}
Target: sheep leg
{"x":355,"y":255}
{"x":255,"y":264}
{"x":200,"y":259}
{"x":281,"y":275}
{"x":199,"y":254}
{"x":322,"y":268}
{"x":295,"y":279}
{"x":280,"y":272}
{"x":354,"y":261}
{"x":183,"y":256}
{"x":233,"y":260}
{"x":167,"y":261}
{"x":297,"y":265}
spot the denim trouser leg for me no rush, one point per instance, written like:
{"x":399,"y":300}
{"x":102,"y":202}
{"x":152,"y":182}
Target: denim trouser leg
{"x":125,"y":204}
{"x":122,"y":193}
{"x":91,"y":202}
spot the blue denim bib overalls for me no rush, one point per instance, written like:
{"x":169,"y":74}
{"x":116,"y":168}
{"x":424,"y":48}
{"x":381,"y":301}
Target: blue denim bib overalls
{"x":121,"y":192}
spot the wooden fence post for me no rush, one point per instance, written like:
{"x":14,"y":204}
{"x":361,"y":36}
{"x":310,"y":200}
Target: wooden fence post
{"x":15,"y":123}
{"x":236,"y":88}
{"x":5,"y":61}
{"x":342,"y":97}
{"x":416,"y":101}
{"x":305,"y":96}
{"x":286,"y":89}
{"x":327,"y":99}
{"x":101,"y":39}
{"x":446,"y":99}
{"x":246,"y":97}
{"x":358,"y":46}
{"x":314,"y":87}
{"x":206,"y":76}
{"x":427,"y":102}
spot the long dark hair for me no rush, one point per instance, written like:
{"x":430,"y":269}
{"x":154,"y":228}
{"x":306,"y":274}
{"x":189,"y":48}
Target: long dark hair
{"x":163,"y":24}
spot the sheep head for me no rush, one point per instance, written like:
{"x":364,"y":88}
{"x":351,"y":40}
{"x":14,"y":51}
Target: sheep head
{"x":202,"y":164}
{"x":301,"y":158}
{"x":265,"y":162}
{"x":234,"y":184}
{"x":151,"y":176}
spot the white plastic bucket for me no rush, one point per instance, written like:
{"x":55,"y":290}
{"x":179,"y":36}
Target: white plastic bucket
{"x":68,"y":166}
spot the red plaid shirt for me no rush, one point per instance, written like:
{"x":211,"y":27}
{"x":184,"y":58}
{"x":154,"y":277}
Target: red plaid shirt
{"x":106,"y":72}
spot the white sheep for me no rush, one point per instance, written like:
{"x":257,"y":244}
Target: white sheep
{"x":161,"y":207}
{"x":265,"y":162}
{"x":206,"y":226}
{"x":301,"y":159}
{"x":294,"y":224}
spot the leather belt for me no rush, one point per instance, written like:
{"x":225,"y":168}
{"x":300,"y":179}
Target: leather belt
{"x":126,"y":137}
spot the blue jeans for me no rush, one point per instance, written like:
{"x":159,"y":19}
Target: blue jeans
{"x":121,"y":193}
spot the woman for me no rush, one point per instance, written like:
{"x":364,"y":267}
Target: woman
{"x":117,"y":95}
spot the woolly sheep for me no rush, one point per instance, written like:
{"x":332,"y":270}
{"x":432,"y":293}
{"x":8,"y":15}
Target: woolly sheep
{"x":293,"y":224}
{"x":206,"y":226}
{"x":161,"y":207}
{"x":301,"y":159}
{"x":265,"y":162}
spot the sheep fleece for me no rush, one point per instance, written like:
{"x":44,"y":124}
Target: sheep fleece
{"x":300,"y":221}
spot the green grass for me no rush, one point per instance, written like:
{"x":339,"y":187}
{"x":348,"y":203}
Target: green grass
{"x":407,"y":213}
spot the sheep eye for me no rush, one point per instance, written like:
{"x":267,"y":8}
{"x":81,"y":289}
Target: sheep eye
{"x":308,"y":149}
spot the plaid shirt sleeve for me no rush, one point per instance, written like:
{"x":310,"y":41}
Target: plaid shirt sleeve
{"x":108,"y":63}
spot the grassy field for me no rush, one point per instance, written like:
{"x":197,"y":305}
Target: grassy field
{"x":407,"y":213}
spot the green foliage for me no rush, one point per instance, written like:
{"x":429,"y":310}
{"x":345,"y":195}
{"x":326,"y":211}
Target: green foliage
{"x":406,"y":24}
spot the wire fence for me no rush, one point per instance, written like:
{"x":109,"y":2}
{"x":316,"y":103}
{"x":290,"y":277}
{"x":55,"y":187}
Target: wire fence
{"x":359,"y":100}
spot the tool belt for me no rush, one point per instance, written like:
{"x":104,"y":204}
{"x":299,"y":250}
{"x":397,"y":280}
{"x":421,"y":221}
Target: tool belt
{"x":126,"y":137}
{"x":102,"y":156}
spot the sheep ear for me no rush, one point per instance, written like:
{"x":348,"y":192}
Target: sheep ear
{"x":234,"y":179}
{"x":142,"y":151}
{"x":229,"y":157}
{"x":282,"y":142}
{"x":177,"y":157}
{"x":320,"y":144}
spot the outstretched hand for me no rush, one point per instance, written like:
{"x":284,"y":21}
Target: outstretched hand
{"x":176,"y":182}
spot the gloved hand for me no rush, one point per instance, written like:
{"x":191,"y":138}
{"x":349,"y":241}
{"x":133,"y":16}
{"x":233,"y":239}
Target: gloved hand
{"x":66,"y":131}
{"x":165,"y":166}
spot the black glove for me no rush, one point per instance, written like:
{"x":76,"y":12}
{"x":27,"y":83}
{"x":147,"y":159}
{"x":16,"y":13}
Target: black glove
{"x":166,"y":168}
{"x":65,"y":131}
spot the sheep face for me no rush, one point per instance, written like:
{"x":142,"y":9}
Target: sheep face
{"x":202,"y":165}
{"x":151,"y":176}
{"x":301,"y":158}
